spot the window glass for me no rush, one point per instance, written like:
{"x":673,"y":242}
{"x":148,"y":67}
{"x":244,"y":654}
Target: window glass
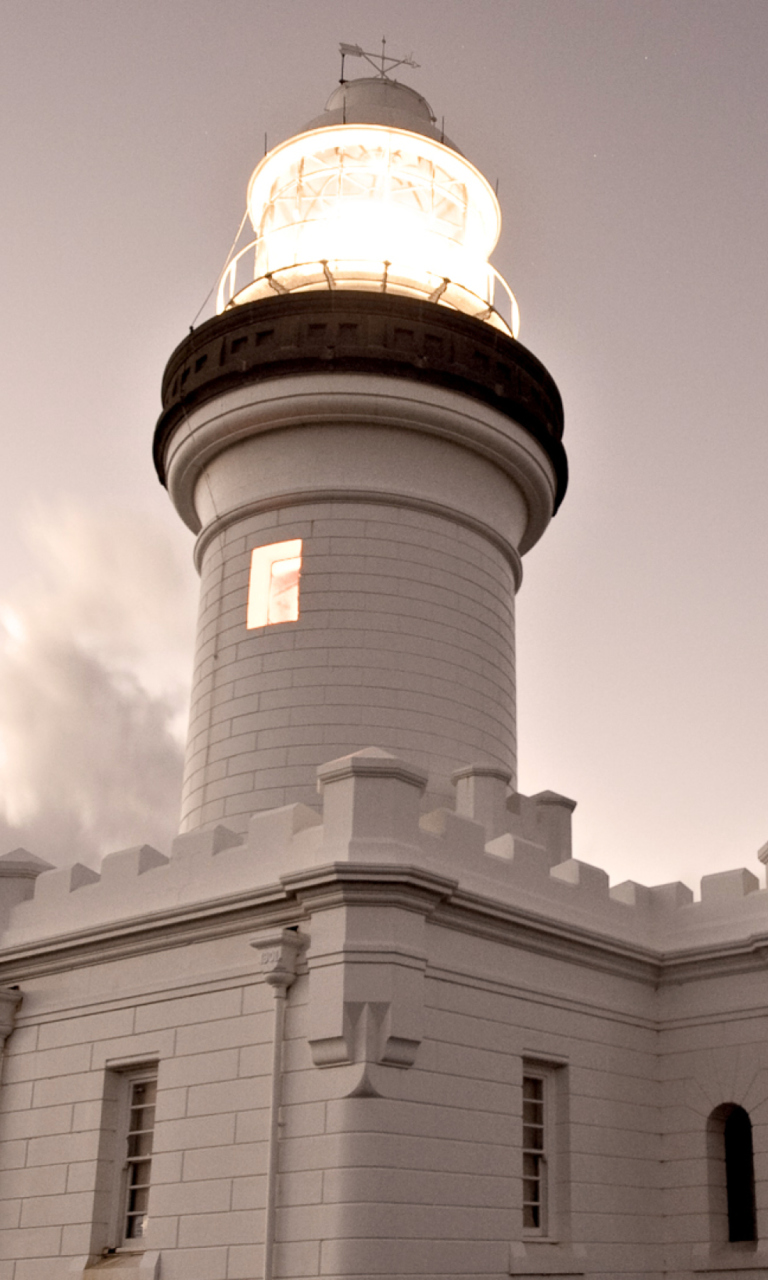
{"x":273,"y":585}
{"x":140,"y":1130}
{"x":740,"y":1176}
{"x":534,"y":1153}
{"x":283,"y":604}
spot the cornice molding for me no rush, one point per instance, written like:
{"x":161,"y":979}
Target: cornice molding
{"x":364,"y":403}
{"x":516,"y":926}
{"x":157,"y":931}
{"x":369,"y":884}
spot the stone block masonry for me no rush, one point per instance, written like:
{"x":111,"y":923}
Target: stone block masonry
{"x":440,"y":963}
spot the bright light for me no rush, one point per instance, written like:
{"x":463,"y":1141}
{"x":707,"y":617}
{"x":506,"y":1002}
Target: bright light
{"x":13,"y":625}
{"x":273,"y":586}
{"x":370,"y":206}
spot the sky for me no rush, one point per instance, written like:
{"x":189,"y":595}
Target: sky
{"x":628,"y":141}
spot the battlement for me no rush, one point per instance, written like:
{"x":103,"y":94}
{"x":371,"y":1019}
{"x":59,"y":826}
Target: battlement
{"x":494,"y":853}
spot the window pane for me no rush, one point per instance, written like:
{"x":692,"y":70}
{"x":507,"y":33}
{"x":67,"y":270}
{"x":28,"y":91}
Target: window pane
{"x":136,"y":1227}
{"x":533,"y":1138}
{"x":138,"y":1200}
{"x":533,"y":1088}
{"x":284,"y":591}
{"x":139,"y":1173}
{"x":142,"y":1118}
{"x":140,"y":1144}
{"x":144,"y":1093}
{"x":530,"y":1215}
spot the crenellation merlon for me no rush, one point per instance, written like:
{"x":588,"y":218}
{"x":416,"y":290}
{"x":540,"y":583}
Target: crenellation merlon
{"x":727,"y":885}
{"x":591,"y":880}
{"x":54,"y":886}
{"x":19,"y":871}
{"x":662,"y":897}
{"x":205,"y":843}
{"x":272,"y":830}
{"x":553,"y":816}
{"x":457,"y":835}
{"x":482,"y":795}
{"x":127,"y":864}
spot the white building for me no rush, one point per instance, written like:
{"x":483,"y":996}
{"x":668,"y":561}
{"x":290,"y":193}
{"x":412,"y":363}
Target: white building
{"x":368,"y":1017}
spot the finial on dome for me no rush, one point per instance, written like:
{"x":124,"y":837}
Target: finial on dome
{"x":382,"y":63}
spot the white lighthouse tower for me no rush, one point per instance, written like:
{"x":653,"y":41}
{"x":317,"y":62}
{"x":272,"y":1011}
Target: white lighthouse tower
{"x":364,"y":451}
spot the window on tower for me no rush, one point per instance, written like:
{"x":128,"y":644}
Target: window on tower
{"x":273,"y":586}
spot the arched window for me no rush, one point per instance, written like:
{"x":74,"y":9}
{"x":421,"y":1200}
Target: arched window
{"x":731,"y":1174}
{"x":740,"y":1176}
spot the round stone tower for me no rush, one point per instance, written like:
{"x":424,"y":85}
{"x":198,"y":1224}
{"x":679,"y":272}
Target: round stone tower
{"x":365,"y":451}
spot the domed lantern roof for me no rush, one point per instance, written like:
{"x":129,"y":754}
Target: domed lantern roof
{"x":378,"y":100}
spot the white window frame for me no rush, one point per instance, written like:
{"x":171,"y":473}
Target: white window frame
{"x":536,"y":1141}
{"x":126,"y":1080}
{"x":554,"y":1201}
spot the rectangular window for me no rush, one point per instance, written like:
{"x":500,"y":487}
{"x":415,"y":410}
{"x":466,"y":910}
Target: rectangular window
{"x":545,"y":1152}
{"x":137,"y":1093}
{"x":138,"y":1165}
{"x":273,"y":585}
{"x":536,"y":1123}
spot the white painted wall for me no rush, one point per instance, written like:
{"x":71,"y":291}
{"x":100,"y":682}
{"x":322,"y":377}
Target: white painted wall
{"x":432,"y":967}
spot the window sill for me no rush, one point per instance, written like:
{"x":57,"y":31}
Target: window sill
{"x":119,"y":1266}
{"x":729,"y":1257}
{"x":546,"y":1258}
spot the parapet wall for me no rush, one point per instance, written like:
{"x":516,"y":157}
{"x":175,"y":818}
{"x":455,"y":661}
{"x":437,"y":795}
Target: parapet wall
{"x":507,"y":857}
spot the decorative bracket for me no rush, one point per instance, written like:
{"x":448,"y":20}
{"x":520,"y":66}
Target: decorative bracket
{"x":366,"y":1009}
{"x":278,"y":955}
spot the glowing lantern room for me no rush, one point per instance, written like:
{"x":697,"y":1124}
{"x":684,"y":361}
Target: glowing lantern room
{"x":372,"y":196}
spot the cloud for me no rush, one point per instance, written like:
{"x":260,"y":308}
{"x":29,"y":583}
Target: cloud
{"x":95,"y":654}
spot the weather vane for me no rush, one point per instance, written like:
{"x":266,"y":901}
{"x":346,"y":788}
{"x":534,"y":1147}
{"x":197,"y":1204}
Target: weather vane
{"x":382,"y":62}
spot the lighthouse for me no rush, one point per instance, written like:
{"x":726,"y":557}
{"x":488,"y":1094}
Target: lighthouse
{"x":368,"y":1016}
{"x":365,"y":451}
